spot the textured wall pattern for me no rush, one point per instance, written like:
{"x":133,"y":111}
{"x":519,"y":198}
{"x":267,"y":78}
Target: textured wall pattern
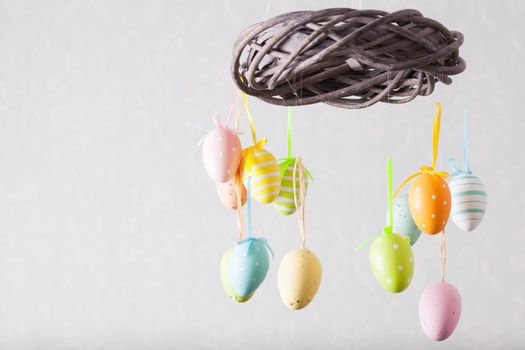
{"x":110,"y":231}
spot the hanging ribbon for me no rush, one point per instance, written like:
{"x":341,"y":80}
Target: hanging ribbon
{"x":238,"y":193}
{"x":284,"y":163}
{"x":442,"y":254}
{"x":247,"y":153}
{"x":250,"y":118}
{"x":249,"y":205}
{"x":246,"y":244}
{"x":387,"y":230}
{"x":299,"y":203}
{"x":289,"y":132}
{"x":233,"y":104}
{"x":456,"y":170}
{"x":435,"y":142}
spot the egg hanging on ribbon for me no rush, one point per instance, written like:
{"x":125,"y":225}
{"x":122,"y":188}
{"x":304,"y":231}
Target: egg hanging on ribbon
{"x":285,"y":203}
{"x":221,"y":152}
{"x":392,"y":261}
{"x":430,"y":203}
{"x":402,"y":219}
{"x":228,"y":194}
{"x":249,"y":263}
{"x":439,"y":310}
{"x":469,"y":201}
{"x":263,"y":168}
{"x":226,"y":281}
{"x":299,"y":278}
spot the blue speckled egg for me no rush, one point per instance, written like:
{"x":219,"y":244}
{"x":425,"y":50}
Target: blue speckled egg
{"x":403,"y":222}
{"x":249,"y":263}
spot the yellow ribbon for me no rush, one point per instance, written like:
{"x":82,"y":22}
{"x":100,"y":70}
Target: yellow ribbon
{"x":247,"y":154}
{"x":250,"y":118}
{"x":435,"y":142}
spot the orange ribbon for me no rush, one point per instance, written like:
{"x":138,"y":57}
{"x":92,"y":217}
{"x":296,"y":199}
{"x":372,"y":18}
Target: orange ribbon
{"x":435,"y":143}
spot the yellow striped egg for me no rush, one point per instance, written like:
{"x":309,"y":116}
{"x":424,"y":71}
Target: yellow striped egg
{"x":263,"y":169}
{"x":285,"y":203}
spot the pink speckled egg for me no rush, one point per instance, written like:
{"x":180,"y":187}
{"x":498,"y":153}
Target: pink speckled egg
{"x":439,"y":310}
{"x":227,"y":193}
{"x":221,"y":152}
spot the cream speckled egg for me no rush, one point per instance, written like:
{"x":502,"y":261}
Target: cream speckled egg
{"x":299,"y":278}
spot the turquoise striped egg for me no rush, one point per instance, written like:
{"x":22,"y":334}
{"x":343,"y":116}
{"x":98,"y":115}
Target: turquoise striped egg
{"x":285,"y":203}
{"x":469,"y":201}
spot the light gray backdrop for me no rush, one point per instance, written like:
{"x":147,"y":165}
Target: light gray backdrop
{"x":111,"y":233}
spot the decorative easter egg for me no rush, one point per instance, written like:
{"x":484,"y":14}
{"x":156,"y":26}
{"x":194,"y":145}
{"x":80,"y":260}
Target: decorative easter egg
{"x":403,"y":223}
{"x":225,"y":279}
{"x":228,"y":195}
{"x":263,"y":169}
{"x":430,"y":203}
{"x":469,"y":201}
{"x":299,"y":278}
{"x":249,"y":263}
{"x":285,"y":203}
{"x":221,"y":152}
{"x":439,"y":310}
{"x":392,"y":261}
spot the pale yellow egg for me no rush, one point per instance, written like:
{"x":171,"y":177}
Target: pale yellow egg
{"x":299,"y":278}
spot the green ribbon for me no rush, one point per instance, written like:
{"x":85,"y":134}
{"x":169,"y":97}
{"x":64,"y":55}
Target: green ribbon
{"x":289,"y":132}
{"x":284,"y":163}
{"x":387,"y":230}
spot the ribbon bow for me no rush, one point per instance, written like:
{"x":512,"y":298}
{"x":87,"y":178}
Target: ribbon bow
{"x":426,"y":169}
{"x":284,"y":163}
{"x":246,"y":244}
{"x":247,"y":154}
{"x":456,"y":170}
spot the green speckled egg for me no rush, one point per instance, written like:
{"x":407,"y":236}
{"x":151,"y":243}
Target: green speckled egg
{"x":392,"y":261}
{"x":225,"y":279}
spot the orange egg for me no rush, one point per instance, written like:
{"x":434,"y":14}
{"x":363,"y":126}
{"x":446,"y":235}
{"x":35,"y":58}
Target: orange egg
{"x":429,"y":203}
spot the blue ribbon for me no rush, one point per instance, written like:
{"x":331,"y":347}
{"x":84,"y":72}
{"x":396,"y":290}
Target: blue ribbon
{"x":249,"y":205}
{"x":456,"y":170}
{"x":250,"y":241}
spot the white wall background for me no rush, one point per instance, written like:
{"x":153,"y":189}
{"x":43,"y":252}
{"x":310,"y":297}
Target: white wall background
{"x":110,"y":230}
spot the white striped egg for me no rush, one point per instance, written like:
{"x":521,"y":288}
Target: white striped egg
{"x":469,"y":201}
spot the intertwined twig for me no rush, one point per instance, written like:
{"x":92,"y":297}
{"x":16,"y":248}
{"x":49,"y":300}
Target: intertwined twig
{"x":345,"y":57}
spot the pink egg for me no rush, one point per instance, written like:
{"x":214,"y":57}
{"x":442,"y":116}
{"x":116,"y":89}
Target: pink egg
{"x":439,"y":310}
{"x":221,"y":152}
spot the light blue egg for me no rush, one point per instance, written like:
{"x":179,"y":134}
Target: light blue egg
{"x":249,"y":263}
{"x":403,"y":222}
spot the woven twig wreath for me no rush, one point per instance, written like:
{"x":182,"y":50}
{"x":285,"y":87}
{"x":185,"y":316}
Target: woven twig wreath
{"x":345,"y":57}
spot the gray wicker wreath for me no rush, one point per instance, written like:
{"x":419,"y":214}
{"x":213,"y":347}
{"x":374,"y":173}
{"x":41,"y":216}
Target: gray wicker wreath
{"x":345,"y":57}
